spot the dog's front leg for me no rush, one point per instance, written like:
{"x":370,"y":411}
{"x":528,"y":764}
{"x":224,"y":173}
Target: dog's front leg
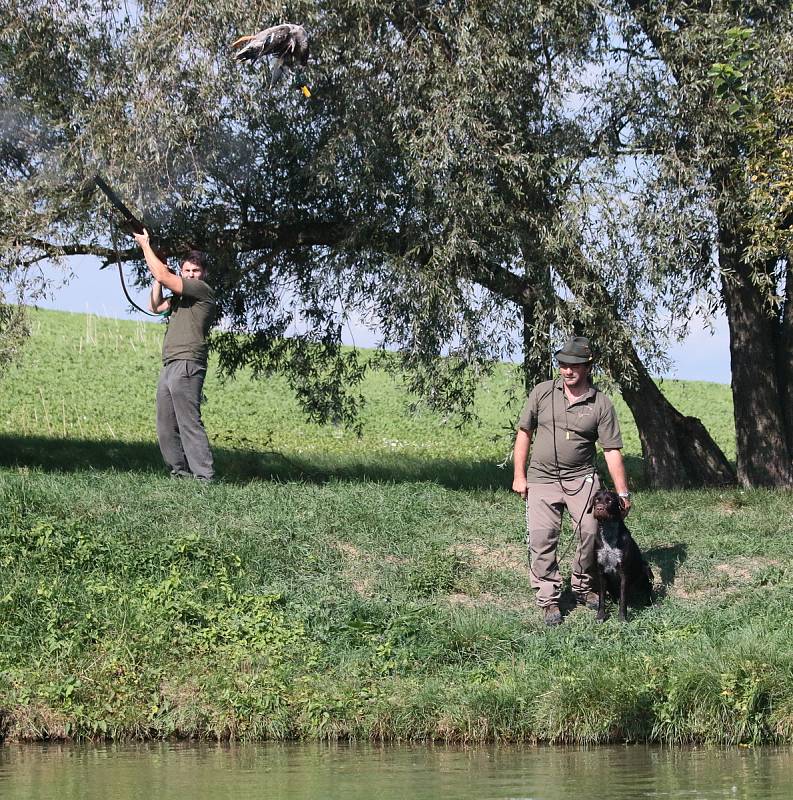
{"x":623,"y":616}
{"x":601,"y":615}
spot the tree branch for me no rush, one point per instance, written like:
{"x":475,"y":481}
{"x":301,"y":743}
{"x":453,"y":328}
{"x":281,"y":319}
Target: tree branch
{"x":280,"y":238}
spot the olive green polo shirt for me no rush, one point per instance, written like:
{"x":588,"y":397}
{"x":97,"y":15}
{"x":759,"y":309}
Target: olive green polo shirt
{"x":192,"y":315}
{"x":573,"y":427}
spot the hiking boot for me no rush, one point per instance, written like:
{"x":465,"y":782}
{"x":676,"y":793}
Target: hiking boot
{"x":590,"y":600}
{"x":552,"y":616}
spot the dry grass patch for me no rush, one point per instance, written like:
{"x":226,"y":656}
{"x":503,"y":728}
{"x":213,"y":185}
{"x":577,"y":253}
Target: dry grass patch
{"x":727,"y":577}
{"x":510,"y":557}
{"x":743,"y":569}
{"x":354,"y":559}
{"x":360,"y":567}
{"x":34,"y":722}
{"x":349,"y":550}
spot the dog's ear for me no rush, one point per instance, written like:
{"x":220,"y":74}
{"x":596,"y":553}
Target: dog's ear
{"x":590,"y":505}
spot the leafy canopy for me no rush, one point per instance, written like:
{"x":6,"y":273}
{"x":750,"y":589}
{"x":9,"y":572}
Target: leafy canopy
{"x":455,"y":178}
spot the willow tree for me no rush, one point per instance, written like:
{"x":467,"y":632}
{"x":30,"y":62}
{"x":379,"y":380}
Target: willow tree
{"x":436,"y":185}
{"x":13,"y":330}
{"x":770,"y":170}
{"x":719,"y":60}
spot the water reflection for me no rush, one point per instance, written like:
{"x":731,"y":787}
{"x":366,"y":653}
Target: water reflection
{"x":352,"y":771}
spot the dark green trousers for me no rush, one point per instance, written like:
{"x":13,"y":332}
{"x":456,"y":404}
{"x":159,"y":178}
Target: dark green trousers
{"x":183,"y":441}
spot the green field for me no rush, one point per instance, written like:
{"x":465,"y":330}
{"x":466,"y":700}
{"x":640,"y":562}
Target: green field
{"x":331,"y":586}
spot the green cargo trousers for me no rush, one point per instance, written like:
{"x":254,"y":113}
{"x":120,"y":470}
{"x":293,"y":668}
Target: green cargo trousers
{"x":183,"y":441}
{"x":546,"y":502}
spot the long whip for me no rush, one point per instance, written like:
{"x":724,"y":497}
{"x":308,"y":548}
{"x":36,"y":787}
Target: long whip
{"x":114,"y":239}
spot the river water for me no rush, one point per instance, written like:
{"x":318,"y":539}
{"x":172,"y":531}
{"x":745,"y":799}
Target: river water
{"x":415,"y":772}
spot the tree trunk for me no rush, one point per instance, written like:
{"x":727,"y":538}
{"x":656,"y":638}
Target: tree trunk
{"x":678,"y":451}
{"x":762,"y":447}
{"x":759,"y":342}
{"x":784,"y":357}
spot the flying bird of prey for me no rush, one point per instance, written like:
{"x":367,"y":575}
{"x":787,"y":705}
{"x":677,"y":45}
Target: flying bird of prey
{"x":284,"y":45}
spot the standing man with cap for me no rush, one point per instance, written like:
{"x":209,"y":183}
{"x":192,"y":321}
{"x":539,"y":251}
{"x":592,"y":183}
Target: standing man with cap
{"x":563,"y":418}
{"x":191,"y":308}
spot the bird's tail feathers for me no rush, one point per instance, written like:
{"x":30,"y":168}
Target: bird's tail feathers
{"x":276,"y":71}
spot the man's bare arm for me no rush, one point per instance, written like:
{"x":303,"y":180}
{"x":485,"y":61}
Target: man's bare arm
{"x":616,"y":468}
{"x":158,"y":303}
{"x":520,"y":456}
{"x":157,"y":267}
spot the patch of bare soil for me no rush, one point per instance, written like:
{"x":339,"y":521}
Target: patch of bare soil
{"x":510,"y":557}
{"x":684,"y":591}
{"x":729,"y":507}
{"x":729,"y":577}
{"x":358,"y":564}
{"x":349,"y":550}
{"x":363,"y":586}
{"x":742,"y":569}
{"x":353,"y":568}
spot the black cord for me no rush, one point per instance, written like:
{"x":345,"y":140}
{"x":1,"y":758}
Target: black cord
{"x":121,"y":275}
{"x":590,"y":479}
{"x":556,"y":452}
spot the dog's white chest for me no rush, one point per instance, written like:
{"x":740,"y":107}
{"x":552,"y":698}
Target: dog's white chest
{"x":609,"y":558}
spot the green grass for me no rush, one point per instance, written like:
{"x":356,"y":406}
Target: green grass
{"x":330,"y":586}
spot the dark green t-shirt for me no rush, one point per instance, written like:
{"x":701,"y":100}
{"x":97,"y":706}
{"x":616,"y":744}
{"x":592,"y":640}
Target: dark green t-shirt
{"x":192,"y":315}
{"x":577,"y":426}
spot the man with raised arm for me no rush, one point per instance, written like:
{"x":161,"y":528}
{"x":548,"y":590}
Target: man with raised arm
{"x":564,"y":418}
{"x":191,"y":310}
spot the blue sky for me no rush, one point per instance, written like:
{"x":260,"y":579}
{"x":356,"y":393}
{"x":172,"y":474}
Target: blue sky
{"x":704,"y":355}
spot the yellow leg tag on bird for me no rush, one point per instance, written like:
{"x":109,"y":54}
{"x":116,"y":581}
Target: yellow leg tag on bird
{"x":567,"y":434}
{"x":306,"y":92}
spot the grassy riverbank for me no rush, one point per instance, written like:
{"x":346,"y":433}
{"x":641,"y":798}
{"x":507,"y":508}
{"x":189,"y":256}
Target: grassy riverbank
{"x":333,"y":586}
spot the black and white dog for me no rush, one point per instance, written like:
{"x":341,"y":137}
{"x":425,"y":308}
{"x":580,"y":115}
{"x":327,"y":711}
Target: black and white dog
{"x":621,"y":567}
